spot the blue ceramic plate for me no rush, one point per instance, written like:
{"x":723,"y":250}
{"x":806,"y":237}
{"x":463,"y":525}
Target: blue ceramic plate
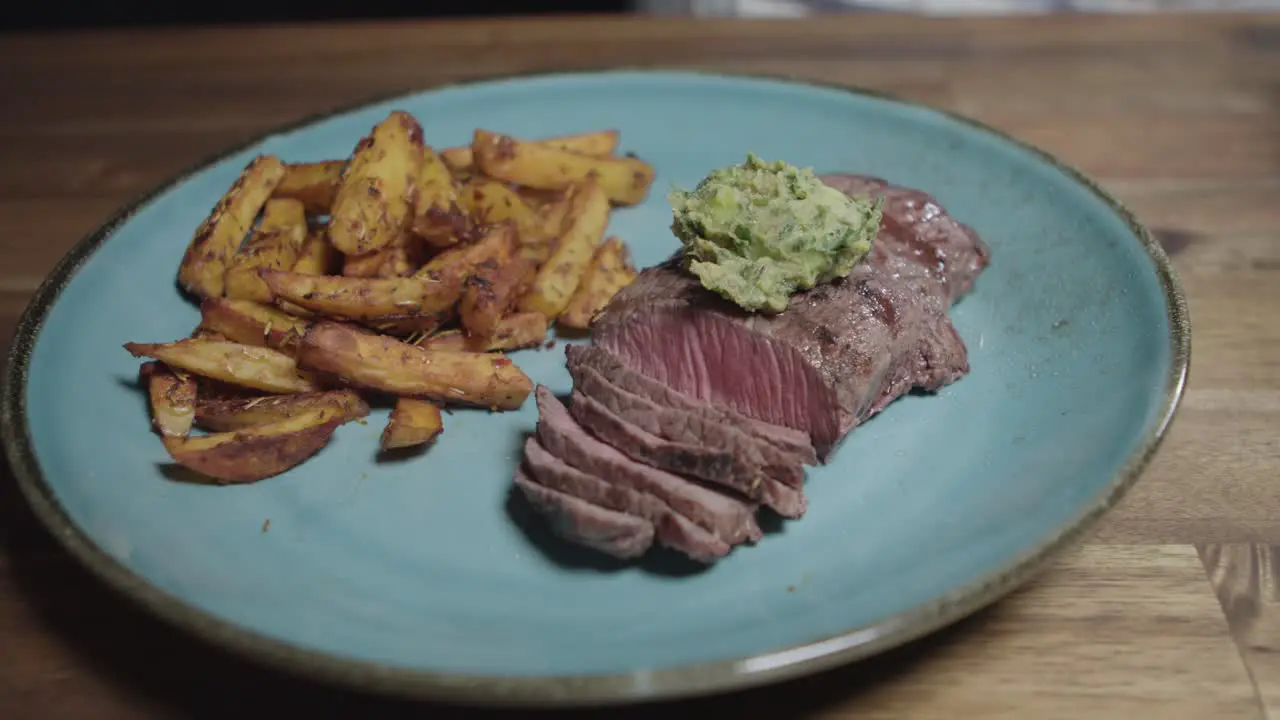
{"x":421,"y":577}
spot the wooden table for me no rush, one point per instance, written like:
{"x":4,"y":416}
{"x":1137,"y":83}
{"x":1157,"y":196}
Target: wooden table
{"x":1171,"y":611}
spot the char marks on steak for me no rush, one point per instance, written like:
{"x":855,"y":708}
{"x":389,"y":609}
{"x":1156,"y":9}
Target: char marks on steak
{"x":840,"y":352}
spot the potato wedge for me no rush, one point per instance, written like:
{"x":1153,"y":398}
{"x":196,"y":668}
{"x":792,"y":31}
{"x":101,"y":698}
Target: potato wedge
{"x":449,"y":270}
{"x":314,"y":184}
{"x":274,"y":244}
{"x":489,"y":202}
{"x":248,"y":366}
{"x":378,"y":362}
{"x":365,"y":298}
{"x":609,"y":271}
{"x":625,"y":180}
{"x":515,"y":331}
{"x":256,"y":453}
{"x":438,"y":217}
{"x":220,"y":235}
{"x":559,"y":277}
{"x":173,"y":399}
{"x":412,"y":422}
{"x":493,"y":290}
{"x":316,"y":256}
{"x":374,"y":203}
{"x":250,"y":323}
{"x":230,"y":414}
{"x":451,"y":340}
{"x":410,"y":326}
{"x":600,"y":143}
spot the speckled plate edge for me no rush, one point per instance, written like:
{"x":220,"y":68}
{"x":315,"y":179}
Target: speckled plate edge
{"x":565,"y":691}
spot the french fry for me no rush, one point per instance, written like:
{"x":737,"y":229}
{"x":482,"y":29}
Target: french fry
{"x":515,"y":331}
{"x":378,"y":362}
{"x":173,"y":399}
{"x":365,"y":298}
{"x":451,"y":268}
{"x":493,"y":290}
{"x":220,"y":234}
{"x":490,"y":202}
{"x":314,"y":184}
{"x":250,"y":323}
{"x":412,"y":422}
{"x":609,"y":271}
{"x":248,"y":366}
{"x":450,"y":340}
{"x":601,"y":143}
{"x":274,"y":244}
{"x":317,"y":256}
{"x":438,"y":218}
{"x":625,"y":180}
{"x":256,"y":453}
{"x":374,"y":203}
{"x":231,"y":414}
{"x":559,"y":277}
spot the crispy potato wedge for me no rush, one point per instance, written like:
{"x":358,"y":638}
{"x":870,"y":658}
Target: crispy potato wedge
{"x":378,"y":362}
{"x":314,"y":184}
{"x":410,"y":326}
{"x":374,"y":203}
{"x":559,"y":277}
{"x":173,"y":399}
{"x":316,"y":256}
{"x":438,"y":217}
{"x":625,"y":180}
{"x":250,"y":323}
{"x":256,"y":453}
{"x":449,"y":270}
{"x":493,"y":290}
{"x":609,"y":271}
{"x":489,"y":202}
{"x":259,"y":368}
{"x":220,"y":235}
{"x":412,"y":422}
{"x":231,"y":414}
{"x":515,"y":331}
{"x":365,"y":298}
{"x":451,"y":340}
{"x":600,"y":143}
{"x":274,"y":244}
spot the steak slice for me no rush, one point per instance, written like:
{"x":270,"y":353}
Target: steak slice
{"x":729,"y":518}
{"x":618,"y":534}
{"x":715,"y":467}
{"x":792,"y":444}
{"x":679,"y":533}
{"x":746,"y":455}
{"x":840,"y":353}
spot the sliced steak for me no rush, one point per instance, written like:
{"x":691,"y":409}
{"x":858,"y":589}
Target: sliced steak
{"x":618,"y":534}
{"x":679,"y":533}
{"x":792,"y":444}
{"x":746,"y":457}
{"x":685,"y":459}
{"x":730,"y":519}
{"x":839,"y":354}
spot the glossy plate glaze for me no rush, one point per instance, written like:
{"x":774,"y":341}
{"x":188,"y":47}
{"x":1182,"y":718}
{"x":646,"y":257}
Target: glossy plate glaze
{"x":424,"y":577}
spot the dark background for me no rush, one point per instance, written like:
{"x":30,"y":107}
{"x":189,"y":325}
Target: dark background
{"x":69,"y":14}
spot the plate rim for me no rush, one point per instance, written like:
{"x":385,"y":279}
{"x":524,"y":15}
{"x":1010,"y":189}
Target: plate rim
{"x":644,"y":685}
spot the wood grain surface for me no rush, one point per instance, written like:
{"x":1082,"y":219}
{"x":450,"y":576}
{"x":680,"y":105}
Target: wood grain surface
{"x":1172,"y":610}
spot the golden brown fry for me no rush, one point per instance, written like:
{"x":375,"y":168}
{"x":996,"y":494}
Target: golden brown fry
{"x":410,"y":326}
{"x":625,"y":180}
{"x":438,"y":218}
{"x":600,"y":144}
{"x":378,"y":362}
{"x":450,"y":269}
{"x":317,"y":256}
{"x":374,"y":203}
{"x":220,"y":234}
{"x":493,"y":290}
{"x":256,"y":453}
{"x":489,"y":202}
{"x":313,"y":184}
{"x":173,"y":399}
{"x":230,"y":414}
{"x":386,"y":263}
{"x":274,"y":244}
{"x":515,"y":331}
{"x":560,"y":276}
{"x":412,"y":422}
{"x":451,"y":340}
{"x":251,"y":323}
{"x":609,"y":271}
{"x":248,"y":366}
{"x":365,"y":298}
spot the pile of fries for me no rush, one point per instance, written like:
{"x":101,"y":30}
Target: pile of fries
{"x":399,"y":273}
